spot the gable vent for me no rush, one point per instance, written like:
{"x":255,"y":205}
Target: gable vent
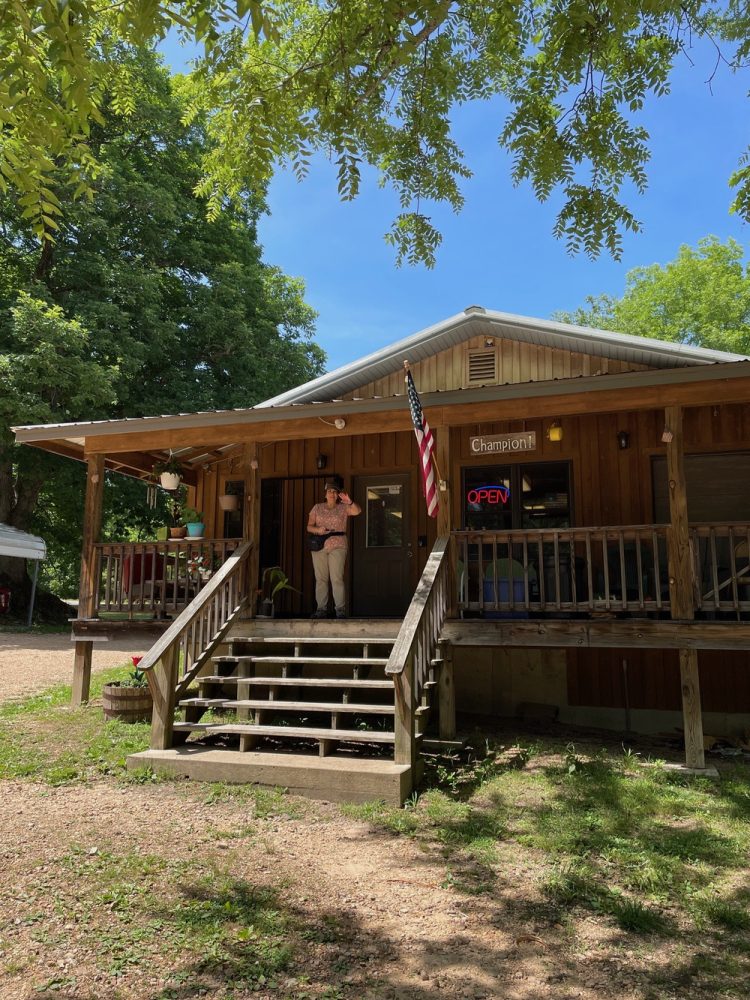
{"x":482,"y":366}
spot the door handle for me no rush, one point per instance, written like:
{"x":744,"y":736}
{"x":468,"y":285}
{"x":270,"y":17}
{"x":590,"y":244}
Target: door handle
{"x":409,"y":551}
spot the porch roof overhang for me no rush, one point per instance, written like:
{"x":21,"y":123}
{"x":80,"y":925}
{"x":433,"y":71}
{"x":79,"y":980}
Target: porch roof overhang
{"x":133,"y":445}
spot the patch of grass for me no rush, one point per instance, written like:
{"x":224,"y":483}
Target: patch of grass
{"x":44,"y":739}
{"x":265,"y":802}
{"x":616,"y":835}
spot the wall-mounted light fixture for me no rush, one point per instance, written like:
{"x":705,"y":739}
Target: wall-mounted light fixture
{"x":666,"y":435}
{"x":623,"y":440}
{"x":321,"y":461}
{"x":254,"y":463}
{"x":555,"y":431}
{"x":489,"y":341}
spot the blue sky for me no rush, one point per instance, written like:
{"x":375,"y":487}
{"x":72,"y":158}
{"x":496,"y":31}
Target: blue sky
{"x":499,"y":252}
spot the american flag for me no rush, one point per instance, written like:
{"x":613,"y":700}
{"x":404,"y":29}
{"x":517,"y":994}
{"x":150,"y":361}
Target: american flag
{"x":426,"y":443}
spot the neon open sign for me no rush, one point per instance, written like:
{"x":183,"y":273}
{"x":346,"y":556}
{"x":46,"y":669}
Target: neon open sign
{"x":488,"y":494}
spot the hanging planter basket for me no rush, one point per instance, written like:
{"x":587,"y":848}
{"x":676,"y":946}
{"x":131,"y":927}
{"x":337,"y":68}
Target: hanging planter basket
{"x":169,"y":480}
{"x":128,"y":704}
{"x":229,"y":501}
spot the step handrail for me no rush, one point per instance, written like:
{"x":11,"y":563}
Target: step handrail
{"x":186,"y":617}
{"x":409,"y":661}
{"x":198,"y":629}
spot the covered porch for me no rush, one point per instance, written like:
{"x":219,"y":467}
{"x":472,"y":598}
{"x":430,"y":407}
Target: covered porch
{"x":581,"y":539}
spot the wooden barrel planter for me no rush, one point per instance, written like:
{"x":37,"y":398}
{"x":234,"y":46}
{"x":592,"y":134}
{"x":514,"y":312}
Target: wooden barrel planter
{"x":128,"y":704}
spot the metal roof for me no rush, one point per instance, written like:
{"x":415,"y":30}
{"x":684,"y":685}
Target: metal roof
{"x":476,"y":321}
{"x":14,"y":542}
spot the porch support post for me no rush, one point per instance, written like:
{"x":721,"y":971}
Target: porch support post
{"x":681,"y":586}
{"x":162,"y":682}
{"x":251,"y":521}
{"x":88,"y":591}
{"x":405,"y":749}
{"x":445,"y":515}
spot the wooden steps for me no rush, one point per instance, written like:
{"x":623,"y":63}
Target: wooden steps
{"x":298,"y":732}
{"x":322,"y":661}
{"x":289,"y":706}
{"x":326,"y":682}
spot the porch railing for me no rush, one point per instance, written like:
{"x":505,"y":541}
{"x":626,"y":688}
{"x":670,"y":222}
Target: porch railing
{"x":721,"y":566}
{"x":156,"y":578}
{"x":178,"y":655}
{"x":565,"y":570}
{"x":410,"y":662}
{"x":597,"y":570}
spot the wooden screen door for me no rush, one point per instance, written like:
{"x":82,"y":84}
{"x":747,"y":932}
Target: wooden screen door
{"x":381,"y":547}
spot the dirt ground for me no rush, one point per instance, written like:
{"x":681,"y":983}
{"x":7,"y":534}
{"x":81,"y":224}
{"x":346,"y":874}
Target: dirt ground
{"x":374,"y":915}
{"x":31,"y":663}
{"x":403,"y":932}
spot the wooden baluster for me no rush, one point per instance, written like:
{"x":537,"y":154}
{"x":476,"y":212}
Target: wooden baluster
{"x":556,"y":544}
{"x":573,"y":586}
{"x":639,"y":570}
{"x":623,"y":570}
{"x":714,"y":568}
{"x":605,"y":555}
{"x":108,"y":582}
{"x":733,"y":570}
{"x":589,"y":571}
{"x":657,"y":568}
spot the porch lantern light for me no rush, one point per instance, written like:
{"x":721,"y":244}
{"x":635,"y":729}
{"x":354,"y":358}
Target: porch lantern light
{"x":555,"y":431}
{"x":666,"y":435}
{"x":623,"y":440}
{"x":321,"y":461}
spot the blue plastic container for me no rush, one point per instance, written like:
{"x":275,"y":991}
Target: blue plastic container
{"x":503,"y":588}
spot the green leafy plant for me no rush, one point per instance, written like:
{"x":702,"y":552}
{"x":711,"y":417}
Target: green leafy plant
{"x":279,"y":581}
{"x":136,"y":678}
{"x":170,"y":464}
{"x":192,"y":516}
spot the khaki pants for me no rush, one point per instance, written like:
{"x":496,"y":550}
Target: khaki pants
{"x":329,"y":568}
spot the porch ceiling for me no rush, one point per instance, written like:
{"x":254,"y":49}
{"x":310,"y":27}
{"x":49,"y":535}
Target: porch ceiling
{"x":132,"y":446}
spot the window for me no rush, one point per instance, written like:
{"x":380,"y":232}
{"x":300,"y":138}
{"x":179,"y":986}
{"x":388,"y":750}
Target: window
{"x":507,"y":497}
{"x":385,"y":517}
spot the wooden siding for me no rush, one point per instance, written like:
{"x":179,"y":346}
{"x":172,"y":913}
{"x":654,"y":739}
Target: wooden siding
{"x":596,"y":678}
{"x":515,"y":362}
{"x":610,"y":486}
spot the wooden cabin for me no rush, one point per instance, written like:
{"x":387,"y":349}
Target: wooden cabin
{"x":589,"y":560}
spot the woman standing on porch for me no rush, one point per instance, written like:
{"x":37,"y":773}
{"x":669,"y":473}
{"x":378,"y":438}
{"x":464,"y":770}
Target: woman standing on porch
{"x":330,"y":519}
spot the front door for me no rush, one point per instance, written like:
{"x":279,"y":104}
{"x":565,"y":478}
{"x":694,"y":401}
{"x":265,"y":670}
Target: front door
{"x":381,"y":547}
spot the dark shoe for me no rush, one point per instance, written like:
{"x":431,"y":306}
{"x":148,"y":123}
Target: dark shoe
{"x":341,"y":614}
{"x":319,"y":614}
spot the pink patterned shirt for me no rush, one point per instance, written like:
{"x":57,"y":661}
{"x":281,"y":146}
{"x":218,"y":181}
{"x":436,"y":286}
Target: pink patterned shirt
{"x":332,"y":519}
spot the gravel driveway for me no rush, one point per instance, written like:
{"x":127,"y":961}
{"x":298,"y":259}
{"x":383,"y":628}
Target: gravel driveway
{"x":31,"y":663}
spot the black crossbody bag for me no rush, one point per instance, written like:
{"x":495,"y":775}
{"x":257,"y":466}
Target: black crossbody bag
{"x":316,"y":542}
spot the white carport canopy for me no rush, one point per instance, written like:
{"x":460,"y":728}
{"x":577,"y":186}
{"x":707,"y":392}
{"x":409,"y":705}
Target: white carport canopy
{"x":18,"y":543}
{"x":23,"y":546}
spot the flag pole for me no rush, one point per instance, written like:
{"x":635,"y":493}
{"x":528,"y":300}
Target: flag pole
{"x":407,"y":369}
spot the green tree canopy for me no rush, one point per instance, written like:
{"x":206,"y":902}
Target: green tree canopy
{"x":701,"y":298}
{"x":142,"y":304}
{"x":368,"y":84}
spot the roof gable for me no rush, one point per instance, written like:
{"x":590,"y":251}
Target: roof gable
{"x":378,"y":373}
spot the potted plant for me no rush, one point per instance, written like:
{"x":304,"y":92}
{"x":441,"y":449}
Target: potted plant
{"x":231,"y":499}
{"x":193,"y":521}
{"x":169,"y":473}
{"x":129,"y":700}
{"x":177,"y":527}
{"x":275,"y":581}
